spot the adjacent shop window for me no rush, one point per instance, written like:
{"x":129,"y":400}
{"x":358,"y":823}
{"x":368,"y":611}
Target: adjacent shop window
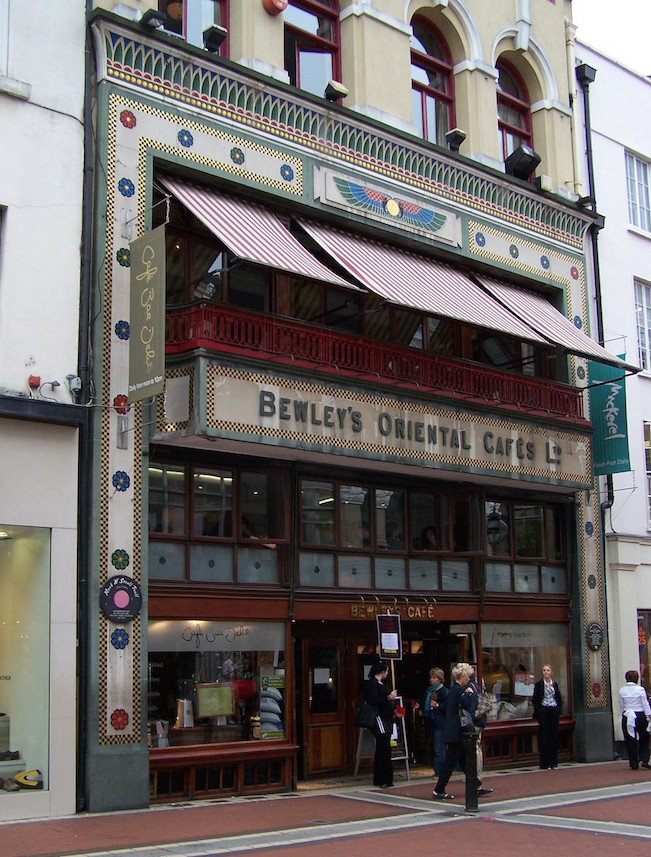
{"x":527,"y":542}
{"x":312,"y":44}
{"x":512,"y":657}
{"x":643,"y":323}
{"x":513,"y":110}
{"x":637,"y":189}
{"x":212,"y":682}
{"x":215,"y":524}
{"x":24,"y":652}
{"x":644,"y":644}
{"x":647,"y":464}
{"x":432,"y":82}
{"x":355,"y":517}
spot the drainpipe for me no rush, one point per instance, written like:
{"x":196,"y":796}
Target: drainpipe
{"x":84,"y":440}
{"x":585,"y":74}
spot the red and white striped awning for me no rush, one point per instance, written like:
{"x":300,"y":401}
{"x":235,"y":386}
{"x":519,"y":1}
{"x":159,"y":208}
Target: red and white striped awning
{"x":250,"y":231}
{"x":537,"y":312}
{"x":407,"y":279}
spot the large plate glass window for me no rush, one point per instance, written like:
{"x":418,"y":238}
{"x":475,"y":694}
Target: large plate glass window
{"x":311,"y":43}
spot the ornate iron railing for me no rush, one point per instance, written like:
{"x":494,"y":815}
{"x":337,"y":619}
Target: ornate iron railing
{"x":224,"y":329}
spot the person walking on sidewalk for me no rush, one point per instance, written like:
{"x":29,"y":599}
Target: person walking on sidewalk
{"x":378,"y":694}
{"x":460,"y":696}
{"x":480,"y":720}
{"x":636,"y":720}
{"x":434,"y":707}
{"x":547,"y":705}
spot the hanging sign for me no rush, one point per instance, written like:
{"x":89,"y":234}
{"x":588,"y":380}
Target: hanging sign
{"x":608,"y":415}
{"x":147,"y":316}
{"x":389,"y":635}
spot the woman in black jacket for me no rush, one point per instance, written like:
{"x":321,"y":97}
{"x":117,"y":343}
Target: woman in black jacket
{"x":378,"y":694}
{"x":547,"y":705}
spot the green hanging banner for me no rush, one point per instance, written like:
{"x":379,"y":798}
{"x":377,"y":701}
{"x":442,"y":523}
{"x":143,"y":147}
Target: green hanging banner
{"x":608,"y":415}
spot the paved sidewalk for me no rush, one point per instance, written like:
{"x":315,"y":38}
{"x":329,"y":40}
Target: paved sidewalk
{"x":576,"y":810}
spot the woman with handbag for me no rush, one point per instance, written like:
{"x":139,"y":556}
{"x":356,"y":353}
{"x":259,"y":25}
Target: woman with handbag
{"x":547,"y":704}
{"x":459,"y":699}
{"x":378,"y":694}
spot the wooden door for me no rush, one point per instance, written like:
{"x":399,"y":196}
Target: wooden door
{"x":324,"y":705}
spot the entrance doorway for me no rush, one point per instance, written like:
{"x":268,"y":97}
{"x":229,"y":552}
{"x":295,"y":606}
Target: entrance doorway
{"x":331,"y":667}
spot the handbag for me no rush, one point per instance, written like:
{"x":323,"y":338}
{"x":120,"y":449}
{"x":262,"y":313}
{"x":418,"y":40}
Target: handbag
{"x":365,"y":714}
{"x":465,"y":721}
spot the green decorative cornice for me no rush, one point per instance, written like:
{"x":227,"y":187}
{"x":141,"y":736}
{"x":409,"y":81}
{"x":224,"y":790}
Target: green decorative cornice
{"x":189,"y":77}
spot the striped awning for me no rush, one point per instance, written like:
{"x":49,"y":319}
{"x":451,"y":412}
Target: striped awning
{"x":538,"y":313}
{"x":418,"y":282}
{"x":250,"y":231}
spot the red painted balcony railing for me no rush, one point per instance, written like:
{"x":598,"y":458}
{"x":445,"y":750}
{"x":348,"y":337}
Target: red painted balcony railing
{"x":224,"y":329}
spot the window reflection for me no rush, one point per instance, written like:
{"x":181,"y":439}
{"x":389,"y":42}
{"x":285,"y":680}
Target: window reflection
{"x":311,"y":44}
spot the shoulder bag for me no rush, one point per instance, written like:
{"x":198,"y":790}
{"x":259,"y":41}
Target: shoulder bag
{"x":365,"y":714}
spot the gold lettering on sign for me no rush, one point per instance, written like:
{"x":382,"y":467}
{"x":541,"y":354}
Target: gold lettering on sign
{"x":405,"y":611}
{"x":146,"y":300}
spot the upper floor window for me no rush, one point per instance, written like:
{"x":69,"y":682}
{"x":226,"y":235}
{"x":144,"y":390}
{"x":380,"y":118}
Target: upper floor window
{"x":643,"y":321}
{"x":432,"y":83}
{"x":513,"y":110}
{"x":637,"y":190}
{"x":194,"y":21}
{"x":312,"y":44}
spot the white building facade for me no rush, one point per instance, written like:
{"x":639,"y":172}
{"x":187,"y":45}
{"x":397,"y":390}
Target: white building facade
{"x":619,"y":102}
{"x":41,"y":416}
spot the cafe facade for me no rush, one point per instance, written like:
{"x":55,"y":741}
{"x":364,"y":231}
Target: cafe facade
{"x":370,"y":402}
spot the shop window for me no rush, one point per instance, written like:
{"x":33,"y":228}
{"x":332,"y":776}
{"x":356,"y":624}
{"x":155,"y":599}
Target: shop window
{"x":647,"y":464}
{"x":167,"y":499}
{"x":512,"y":657}
{"x":318,"y":512}
{"x":213,"y":502}
{"x":513,"y":110}
{"x":211,"y":499}
{"x":323,"y":677}
{"x":211,"y":682}
{"x":24,"y":653}
{"x":316,"y":569}
{"x":466,"y":526}
{"x":354,"y":516}
{"x":263,"y":505}
{"x":312,"y":44}
{"x":429,"y":522}
{"x":390,"y":519}
{"x":424,"y":574}
{"x":531,"y":532}
{"x":342,"y":312}
{"x":354,"y":572}
{"x":455,"y":576}
{"x":432,"y":83}
{"x":644,"y":645}
{"x":528,"y":527}
{"x":390,"y":573}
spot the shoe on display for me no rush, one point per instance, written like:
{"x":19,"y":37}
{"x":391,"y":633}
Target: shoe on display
{"x":29,"y":779}
{"x":11,"y":785}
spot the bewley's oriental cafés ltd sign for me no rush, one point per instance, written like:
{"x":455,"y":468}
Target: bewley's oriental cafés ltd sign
{"x":286,"y":412}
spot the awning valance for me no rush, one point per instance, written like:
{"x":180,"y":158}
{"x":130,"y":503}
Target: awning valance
{"x":539,"y":314}
{"x":418,"y":282}
{"x":250,"y":231}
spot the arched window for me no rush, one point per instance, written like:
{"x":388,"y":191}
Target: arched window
{"x":432,"y":83}
{"x":312,"y":44}
{"x":513,"y":110}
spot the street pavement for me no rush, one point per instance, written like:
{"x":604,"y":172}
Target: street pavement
{"x":574,"y":811}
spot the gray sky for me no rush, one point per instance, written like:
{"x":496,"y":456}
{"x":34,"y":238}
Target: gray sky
{"x":621,"y":29}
